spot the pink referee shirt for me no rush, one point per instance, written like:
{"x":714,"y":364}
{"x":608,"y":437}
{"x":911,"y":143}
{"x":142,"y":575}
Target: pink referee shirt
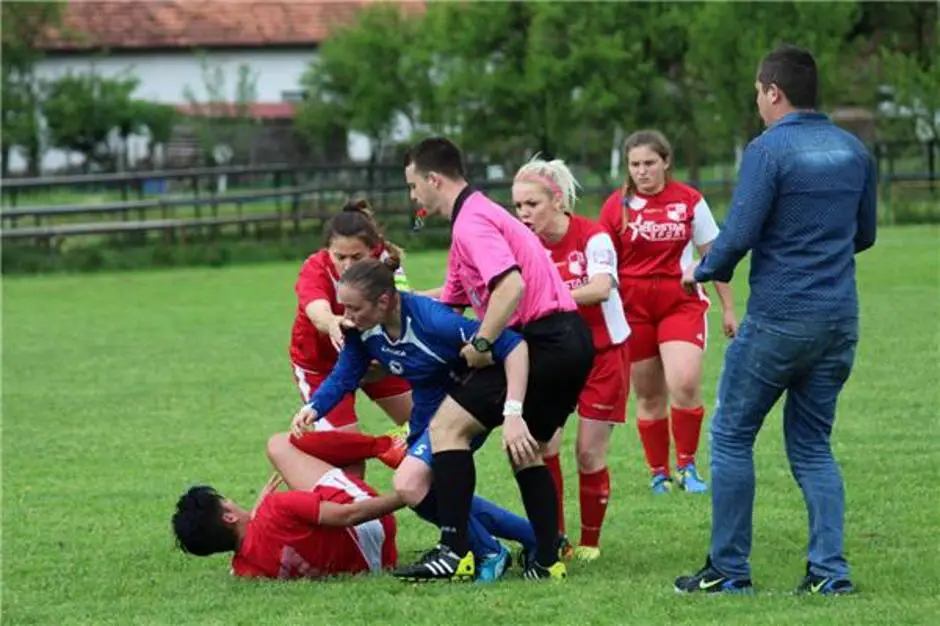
{"x":486,"y":243}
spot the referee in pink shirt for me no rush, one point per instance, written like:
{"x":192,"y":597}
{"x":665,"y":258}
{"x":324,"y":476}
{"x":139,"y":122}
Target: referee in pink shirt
{"x":497,"y":266}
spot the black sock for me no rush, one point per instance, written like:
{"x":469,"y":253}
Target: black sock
{"x":541,"y":507}
{"x":454,"y":481}
{"x":427,"y":508}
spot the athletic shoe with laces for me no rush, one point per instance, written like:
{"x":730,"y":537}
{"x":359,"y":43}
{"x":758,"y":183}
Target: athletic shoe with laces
{"x":661,"y":483}
{"x":495,"y":565}
{"x":537,"y":571}
{"x":439,"y":563}
{"x":587,"y":553}
{"x":814,"y":584}
{"x":710,"y":580}
{"x":690,"y":481}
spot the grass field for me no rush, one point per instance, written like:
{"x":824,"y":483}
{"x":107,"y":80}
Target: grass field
{"x":121,"y":390}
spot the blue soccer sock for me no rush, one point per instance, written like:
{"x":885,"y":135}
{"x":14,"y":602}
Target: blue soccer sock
{"x":481,"y":541}
{"x":502,"y":523}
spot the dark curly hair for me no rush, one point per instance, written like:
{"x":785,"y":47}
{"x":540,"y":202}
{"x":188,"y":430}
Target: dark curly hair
{"x":198,"y":524}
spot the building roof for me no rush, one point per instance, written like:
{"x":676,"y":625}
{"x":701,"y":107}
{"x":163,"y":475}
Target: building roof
{"x":162,"y":24}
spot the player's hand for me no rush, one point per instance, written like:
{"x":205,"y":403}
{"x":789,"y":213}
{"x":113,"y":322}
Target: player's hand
{"x":475,"y":358}
{"x":336,"y":332}
{"x":729,"y":323}
{"x":518,"y":442}
{"x":688,"y":278}
{"x":303,"y":420}
{"x":270,"y":487}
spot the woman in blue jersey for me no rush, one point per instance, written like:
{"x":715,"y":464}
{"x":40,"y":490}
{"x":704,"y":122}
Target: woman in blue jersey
{"x":419,"y":340}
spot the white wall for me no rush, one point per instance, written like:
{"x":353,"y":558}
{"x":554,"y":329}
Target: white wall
{"x":165,"y":75}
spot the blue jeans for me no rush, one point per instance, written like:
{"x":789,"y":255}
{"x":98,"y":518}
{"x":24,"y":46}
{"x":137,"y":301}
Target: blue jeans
{"x":810,"y":361}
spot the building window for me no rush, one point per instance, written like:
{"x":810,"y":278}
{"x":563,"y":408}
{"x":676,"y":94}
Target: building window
{"x":294,"y":96}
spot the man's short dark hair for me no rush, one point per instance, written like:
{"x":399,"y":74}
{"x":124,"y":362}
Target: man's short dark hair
{"x":198,"y":524}
{"x":436,"y":154}
{"x":794,"y":72}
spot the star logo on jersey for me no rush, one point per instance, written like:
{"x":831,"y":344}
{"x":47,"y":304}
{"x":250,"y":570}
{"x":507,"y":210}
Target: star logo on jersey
{"x":656,"y":231}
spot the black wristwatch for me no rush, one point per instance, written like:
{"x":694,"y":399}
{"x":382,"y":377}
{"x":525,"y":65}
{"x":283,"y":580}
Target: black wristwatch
{"x":481,"y":344}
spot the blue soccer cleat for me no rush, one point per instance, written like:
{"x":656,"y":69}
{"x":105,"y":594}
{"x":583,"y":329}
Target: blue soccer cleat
{"x":690,"y":481}
{"x":661,"y":483}
{"x":493,"y":567}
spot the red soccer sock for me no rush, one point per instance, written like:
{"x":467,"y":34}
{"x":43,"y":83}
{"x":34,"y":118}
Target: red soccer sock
{"x":341,"y":448}
{"x":595,"y":492}
{"x":553,"y":463}
{"x":654,"y":433}
{"x":686,"y":429}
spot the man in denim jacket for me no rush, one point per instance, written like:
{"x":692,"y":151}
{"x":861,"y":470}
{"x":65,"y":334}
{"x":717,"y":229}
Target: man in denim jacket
{"x":805,"y":204}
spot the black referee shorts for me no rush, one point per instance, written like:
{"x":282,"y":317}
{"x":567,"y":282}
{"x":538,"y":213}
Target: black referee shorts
{"x":561,"y":353}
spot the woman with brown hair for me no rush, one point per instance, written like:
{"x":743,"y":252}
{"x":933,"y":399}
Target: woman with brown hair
{"x":657,"y":223}
{"x":317,"y":334}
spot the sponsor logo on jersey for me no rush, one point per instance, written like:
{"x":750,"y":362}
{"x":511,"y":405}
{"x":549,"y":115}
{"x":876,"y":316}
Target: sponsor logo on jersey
{"x":656,"y":231}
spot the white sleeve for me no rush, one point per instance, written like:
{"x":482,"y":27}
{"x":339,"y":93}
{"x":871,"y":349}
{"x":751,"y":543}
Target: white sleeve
{"x":704,"y":228}
{"x":601,"y":256}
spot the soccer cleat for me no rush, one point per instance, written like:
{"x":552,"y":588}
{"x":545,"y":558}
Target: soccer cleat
{"x":439,"y":563}
{"x":396,"y":453}
{"x":710,"y":580}
{"x":495,"y":565}
{"x":536,"y":571}
{"x":661,"y":483}
{"x":587,"y":553}
{"x":816,"y":585}
{"x":690,"y":481}
{"x":565,"y":549}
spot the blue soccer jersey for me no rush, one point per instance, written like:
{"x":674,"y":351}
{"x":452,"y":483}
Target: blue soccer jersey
{"x":427,"y":355}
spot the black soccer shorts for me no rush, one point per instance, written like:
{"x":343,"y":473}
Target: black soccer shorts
{"x":561,"y":354}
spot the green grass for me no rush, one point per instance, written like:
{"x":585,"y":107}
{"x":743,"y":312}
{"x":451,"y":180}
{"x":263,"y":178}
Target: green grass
{"x":121,"y":390}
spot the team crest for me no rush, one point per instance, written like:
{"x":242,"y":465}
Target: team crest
{"x":677,"y":211}
{"x":576,"y":263}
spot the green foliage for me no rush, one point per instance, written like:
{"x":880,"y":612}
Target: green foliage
{"x":363,"y":78}
{"x":81,"y":110}
{"x":568,"y":79}
{"x":22,"y":25}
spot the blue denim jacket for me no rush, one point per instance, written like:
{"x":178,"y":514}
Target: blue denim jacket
{"x":805,"y":203}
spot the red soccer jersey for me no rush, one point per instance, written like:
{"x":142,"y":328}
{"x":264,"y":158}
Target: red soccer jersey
{"x":309,"y":348}
{"x":284,"y":539}
{"x":584,"y":252}
{"x":660,"y":232}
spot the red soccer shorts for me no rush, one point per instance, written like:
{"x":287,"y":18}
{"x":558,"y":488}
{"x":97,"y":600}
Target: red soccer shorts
{"x":604,"y":397}
{"x":344,"y":413}
{"x":660,"y":310}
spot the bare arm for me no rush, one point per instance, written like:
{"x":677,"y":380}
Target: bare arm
{"x":321,"y":315}
{"x":517,"y":372}
{"x":344,"y":515}
{"x":504,"y":300}
{"x":723,"y":289}
{"x":596,"y":291}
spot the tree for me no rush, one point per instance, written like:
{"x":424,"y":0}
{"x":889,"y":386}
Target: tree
{"x":23,"y":24}
{"x":911,"y":71}
{"x":81,"y":110}
{"x":224,"y":118}
{"x":363,"y":79}
{"x":727,"y":42}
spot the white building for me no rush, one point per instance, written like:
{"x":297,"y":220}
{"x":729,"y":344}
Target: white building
{"x":168,"y":44}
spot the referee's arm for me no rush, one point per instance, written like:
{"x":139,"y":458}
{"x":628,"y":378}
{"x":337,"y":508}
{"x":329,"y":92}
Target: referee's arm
{"x":505,"y":295}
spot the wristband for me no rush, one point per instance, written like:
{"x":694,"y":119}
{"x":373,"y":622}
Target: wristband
{"x":512,"y":407}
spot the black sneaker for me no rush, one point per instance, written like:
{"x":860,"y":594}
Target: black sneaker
{"x":537,"y":571}
{"x":816,"y":585}
{"x":710,"y":580}
{"x":439,"y":563}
